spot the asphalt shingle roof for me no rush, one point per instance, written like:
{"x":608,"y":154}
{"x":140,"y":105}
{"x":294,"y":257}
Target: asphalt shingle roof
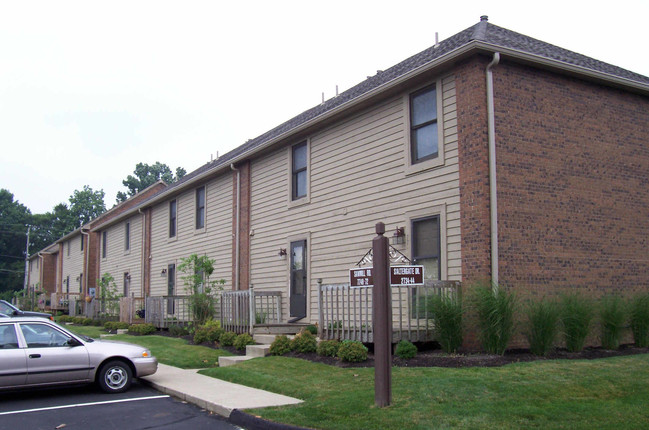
{"x":483,"y":31}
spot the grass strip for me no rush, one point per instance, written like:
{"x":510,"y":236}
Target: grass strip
{"x":604,"y":393}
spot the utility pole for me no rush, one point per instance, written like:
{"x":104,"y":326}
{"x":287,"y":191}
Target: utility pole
{"x":26,"y":261}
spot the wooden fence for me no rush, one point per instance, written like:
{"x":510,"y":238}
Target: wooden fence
{"x":346,"y":313}
{"x":240,"y":314}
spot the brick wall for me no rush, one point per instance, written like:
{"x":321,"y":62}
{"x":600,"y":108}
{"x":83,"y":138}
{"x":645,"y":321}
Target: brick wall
{"x":573,"y":175}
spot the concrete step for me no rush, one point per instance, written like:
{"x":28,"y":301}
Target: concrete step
{"x":257,"y":350}
{"x":264,"y":339}
{"x":232,"y":360}
{"x":281,"y":328}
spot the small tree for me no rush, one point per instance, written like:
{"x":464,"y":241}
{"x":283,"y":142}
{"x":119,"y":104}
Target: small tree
{"x":202,"y":291}
{"x":107,"y":293}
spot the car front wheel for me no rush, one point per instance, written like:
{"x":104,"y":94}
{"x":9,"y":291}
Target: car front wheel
{"x":115,"y":377}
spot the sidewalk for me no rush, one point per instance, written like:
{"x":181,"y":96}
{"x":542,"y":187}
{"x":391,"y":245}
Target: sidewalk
{"x":212,"y":394}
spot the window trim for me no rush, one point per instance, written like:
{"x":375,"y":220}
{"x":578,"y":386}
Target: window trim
{"x":104,"y":245}
{"x":127,"y":237}
{"x":421,"y":214}
{"x":307,"y":197}
{"x":172,"y":221}
{"x":426,"y":163}
{"x":196,"y":208}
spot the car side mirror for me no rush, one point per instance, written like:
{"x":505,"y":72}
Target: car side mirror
{"x":73,"y":342}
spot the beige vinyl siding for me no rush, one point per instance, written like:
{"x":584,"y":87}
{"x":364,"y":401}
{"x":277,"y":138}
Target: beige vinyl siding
{"x":119,"y":261}
{"x":35,"y":272}
{"x":359,"y":176}
{"x":215,"y":240}
{"x":72,"y":263}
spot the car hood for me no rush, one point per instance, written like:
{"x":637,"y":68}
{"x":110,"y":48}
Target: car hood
{"x":115,"y":347}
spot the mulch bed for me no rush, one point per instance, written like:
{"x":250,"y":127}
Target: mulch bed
{"x":430,"y":357}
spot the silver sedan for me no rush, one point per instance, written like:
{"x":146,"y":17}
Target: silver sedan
{"x":36,"y":352}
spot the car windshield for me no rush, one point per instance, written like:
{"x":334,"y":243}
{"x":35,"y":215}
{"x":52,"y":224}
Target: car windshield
{"x":6,"y":308}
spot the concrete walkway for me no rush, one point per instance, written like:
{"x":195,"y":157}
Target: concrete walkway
{"x":212,"y":394}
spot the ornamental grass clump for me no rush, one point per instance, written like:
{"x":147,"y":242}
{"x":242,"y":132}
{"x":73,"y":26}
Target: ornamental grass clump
{"x":280,"y":346}
{"x":495,"y":308}
{"x":576,"y":314}
{"x":447,"y":319}
{"x":405,"y":349}
{"x":639,"y":319}
{"x":542,"y":326}
{"x":613,"y":318}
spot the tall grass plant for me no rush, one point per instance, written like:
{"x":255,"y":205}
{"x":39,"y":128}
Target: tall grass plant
{"x":639,"y":319}
{"x":576,"y":316}
{"x":542,"y":326}
{"x":495,"y":307}
{"x":613,"y":318}
{"x":447,"y":319}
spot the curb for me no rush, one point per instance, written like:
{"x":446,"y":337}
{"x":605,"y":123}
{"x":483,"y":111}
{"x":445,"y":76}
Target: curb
{"x":251,"y":422}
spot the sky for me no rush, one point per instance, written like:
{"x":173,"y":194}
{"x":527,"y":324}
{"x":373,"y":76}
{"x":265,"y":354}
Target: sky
{"x":89,"y":89}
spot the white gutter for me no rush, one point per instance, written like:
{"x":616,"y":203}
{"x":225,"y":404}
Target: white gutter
{"x":236,"y":233}
{"x":493,"y":188}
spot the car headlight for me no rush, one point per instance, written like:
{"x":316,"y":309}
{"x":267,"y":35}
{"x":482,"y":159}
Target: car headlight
{"x":146,"y":353}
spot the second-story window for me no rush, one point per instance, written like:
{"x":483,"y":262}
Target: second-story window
{"x":299,"y":171}
{"x":172,"y":218}
{"x":104,"y":236}
{"x":127,"y":236}
{"x":82,"y":242}
{"x":200,"y":208}
{"x":423,"y":125}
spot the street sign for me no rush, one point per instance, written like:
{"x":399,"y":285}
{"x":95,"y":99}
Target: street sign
{"x":402,"y":276}
{"x":361,"y":277}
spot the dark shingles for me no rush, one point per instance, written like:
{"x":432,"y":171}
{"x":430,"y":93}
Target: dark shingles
{"x":482,"y":31}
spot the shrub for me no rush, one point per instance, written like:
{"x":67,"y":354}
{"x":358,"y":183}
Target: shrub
{"x":115,"y":325}
{"x":65,"y":318}
{"x":304,"y":342}
{"x":576,"y":313}
{"x":312,"y":329}
{"x":242,"y":340}
{"x":227,"y":338}
{"x":405,"y":349}
{"x":542,"y":326}
{"x":280,"y":346}
{"x":328,"y":348}
{"x":613,"y":318}
{"x":87,"y":321}
{"x":78,"y":320}
{"x":178,"y":330}
{"x":211,"y":331}
{"x":639,"y":316}
{"x":141,"y":329}
{"x":352,"y":351}
{"x":495,"y":309}
{"x":447,"y":319}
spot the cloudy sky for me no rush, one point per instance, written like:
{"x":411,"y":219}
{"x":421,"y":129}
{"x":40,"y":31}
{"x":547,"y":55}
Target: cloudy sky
{"x":88,"y":89}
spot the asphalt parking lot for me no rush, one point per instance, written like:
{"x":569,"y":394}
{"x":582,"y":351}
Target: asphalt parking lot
{"x":86,"y":407}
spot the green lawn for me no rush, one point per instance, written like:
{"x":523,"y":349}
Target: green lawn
{"x":605,"y":393}
{"x":168,"y":350}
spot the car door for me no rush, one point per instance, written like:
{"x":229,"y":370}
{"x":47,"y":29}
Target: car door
{"x":50,"y":358}
{"x":13,"y":359}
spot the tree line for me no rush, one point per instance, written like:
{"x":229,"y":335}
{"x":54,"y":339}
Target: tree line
{"x":82,"y":206}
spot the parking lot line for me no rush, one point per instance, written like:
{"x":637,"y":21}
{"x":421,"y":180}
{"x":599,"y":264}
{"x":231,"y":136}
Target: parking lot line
{"x":79,"y":405}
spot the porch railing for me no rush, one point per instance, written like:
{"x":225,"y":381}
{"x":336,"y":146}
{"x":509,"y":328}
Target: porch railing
{"x":346,"y":313}
{"x":166,"y":311}
{"x":240,"y":314}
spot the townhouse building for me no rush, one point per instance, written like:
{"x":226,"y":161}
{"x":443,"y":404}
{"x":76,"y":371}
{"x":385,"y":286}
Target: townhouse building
{"x":490,"y":155}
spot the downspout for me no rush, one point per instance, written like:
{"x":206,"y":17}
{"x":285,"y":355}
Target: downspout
{"x":236,"y":232}
{"x":143,"y":254}
{"x":493,"y":197}
{"x":86,"y":258}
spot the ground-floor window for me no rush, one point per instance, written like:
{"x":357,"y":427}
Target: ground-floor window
{"x":426,"y":244}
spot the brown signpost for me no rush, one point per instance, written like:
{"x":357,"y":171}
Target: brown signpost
{"x":382,"y":319}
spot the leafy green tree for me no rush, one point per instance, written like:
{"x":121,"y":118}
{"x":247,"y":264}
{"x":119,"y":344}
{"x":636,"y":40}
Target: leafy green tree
{"x":196,"y":272}
{"x":147,"y":175}
{"x":86,"y":205}
{"x":14,"y":218}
